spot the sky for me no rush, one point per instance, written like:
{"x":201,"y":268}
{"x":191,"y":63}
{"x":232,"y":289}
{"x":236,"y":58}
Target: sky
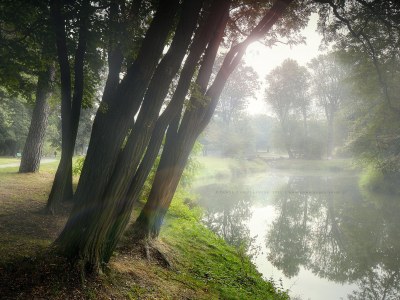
{"x":263,"y":59}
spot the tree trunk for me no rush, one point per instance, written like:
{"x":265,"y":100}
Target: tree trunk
{"x":70,"y":107}
{"x":109,"y":131}
{"x":129,"y":158}
{"x":330,"y":141}
{"x":178,"y":146}
{"x":286,"y":140}
{"x":32,"y":153}
{"x":177,"y":149}
{"x":166,"y":181}
{"x":126,"y":202}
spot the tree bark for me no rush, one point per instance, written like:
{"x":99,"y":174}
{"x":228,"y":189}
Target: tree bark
{"x":178,"y":145}
{"x":70,"y":106}
{"x":30,"y":161}
{"x":129,"y":158}
{"x":126,"y":202}
{"x":109,"y":131}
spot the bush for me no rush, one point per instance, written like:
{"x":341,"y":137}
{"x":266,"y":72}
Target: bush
{"x":77,"y":165}
{"x":374,"y":180}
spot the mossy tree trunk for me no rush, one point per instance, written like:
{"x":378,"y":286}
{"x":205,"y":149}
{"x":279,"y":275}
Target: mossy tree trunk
{"x":30,"y":161}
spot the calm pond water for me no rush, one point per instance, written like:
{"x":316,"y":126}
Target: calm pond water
{"x":320,"y":236}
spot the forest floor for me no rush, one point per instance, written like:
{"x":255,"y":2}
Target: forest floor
{"x":200,"y":264}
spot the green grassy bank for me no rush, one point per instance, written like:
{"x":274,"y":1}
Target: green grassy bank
{"x":217,"y":167}
{"x":202,"y":265}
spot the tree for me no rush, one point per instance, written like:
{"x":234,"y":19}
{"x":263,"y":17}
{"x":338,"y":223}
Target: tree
{"x":110,"y":129}
{"x":181,"y":137}
{"x":14,"y":113}
{"x":287,"y":93}
{"x":344,"y":237}
{"x":368,"y":33}
{"x":117,"y":146}
{"x":71,"y":101}
{"x":239,"y":89}
{"x":28,"y":57}
{"x":33,"y":148}
{"x":330,"y":89}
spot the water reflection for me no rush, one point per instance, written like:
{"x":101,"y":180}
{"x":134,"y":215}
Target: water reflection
{"x":227,"y":211}
{"x":321,"y":224}
{"x":326,"y":226}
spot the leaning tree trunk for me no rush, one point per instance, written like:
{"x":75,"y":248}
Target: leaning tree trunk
{"x":179,"y":145}
{"x":169,"y":172}
{"x":32,"y":153}
{"x":129,"y":158}
{"x":125,"y":201}
{"x":110,"y":129}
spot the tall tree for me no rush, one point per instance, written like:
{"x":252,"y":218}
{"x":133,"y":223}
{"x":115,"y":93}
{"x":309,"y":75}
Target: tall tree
{"x":368,"y":33}
{"x":234,"y":99}
{"x":329,"y":87}
{"x":84,"y":237}
{"x":27,"y":63}
{"x":287,"y":92}
{"x":71,"y":102}
{"x":33,"y":148}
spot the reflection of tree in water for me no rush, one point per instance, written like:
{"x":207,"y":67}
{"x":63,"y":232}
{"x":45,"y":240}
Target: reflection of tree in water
{"x":338,"y":236}
{"x":289,"y":251}
{"x":378,"y":284}
{"x":227,"y":211}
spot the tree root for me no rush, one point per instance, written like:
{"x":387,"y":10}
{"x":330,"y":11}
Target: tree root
{"x":153,"y":254}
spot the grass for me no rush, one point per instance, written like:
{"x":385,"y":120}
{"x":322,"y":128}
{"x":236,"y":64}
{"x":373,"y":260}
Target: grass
{"x":219,"y":167}
{"x":203,"y":265}
{"x":210,"y":264}
{"x":48,"y":167}
{"x":4,"y":160}
{"x":303,"y":165}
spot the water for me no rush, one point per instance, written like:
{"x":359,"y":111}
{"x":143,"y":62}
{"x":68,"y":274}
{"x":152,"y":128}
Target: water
{"x":320,"y":235}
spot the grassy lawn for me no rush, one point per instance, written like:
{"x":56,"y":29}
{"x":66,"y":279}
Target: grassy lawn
{"x":48,"y":167}
{"x":4,"y":160}
{"x":203,"y":266}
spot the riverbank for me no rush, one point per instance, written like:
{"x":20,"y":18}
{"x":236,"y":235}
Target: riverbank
{"x":212,"y":167}
{"x":202,"y":265}
{"x":218,"y":168}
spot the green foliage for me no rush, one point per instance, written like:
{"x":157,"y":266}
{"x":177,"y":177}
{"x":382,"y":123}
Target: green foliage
{"x":366,"y":35}
{"x":14,"y":124}
{"x":374,"y":180}
{"x":239,"y":139}
{"x":77,"y":165}
{"x":26,"y":45}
